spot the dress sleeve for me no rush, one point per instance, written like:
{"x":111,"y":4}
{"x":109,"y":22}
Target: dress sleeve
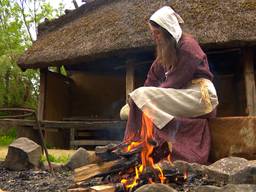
{"x":155,"y":75}
{"x":183,"y":72}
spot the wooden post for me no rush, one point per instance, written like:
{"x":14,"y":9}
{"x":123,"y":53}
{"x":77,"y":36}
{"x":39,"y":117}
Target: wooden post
{"x":42,"y":94}
{"x":129,"y":77}
{"x":72,"y":138}
{"x":249,"y":81}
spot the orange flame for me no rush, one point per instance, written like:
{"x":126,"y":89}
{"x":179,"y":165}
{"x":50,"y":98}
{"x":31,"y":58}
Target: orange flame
{"x":185,"y":175}
{"x":133,"y":145}
{"x":146,"y":134}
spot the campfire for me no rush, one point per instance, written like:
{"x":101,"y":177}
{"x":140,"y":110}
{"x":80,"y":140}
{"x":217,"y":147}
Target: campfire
{"x":131,"y":164}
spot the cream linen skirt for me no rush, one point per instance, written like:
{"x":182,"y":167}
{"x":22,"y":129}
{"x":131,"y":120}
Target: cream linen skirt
{"x":161,"y":105}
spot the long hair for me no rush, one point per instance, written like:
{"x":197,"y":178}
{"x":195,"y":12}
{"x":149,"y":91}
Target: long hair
{"x":167,"y":51}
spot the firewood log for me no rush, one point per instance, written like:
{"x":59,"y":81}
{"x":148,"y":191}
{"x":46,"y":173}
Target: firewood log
{"x":89,"y":171}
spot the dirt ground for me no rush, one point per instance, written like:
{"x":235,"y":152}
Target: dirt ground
{"x":3,"y":152}
{"x":36,"y":180}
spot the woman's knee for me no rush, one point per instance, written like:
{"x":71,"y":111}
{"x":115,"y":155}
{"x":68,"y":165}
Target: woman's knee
{"x":141,"y":90}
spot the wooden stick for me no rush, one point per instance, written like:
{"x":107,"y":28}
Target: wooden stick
{"x":103,"y":188}
{"x":79,"y":189}
{"x":89,"y":171}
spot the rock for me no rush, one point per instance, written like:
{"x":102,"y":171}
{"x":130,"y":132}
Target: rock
{"x":23,"y":154}
{"x":194,"y":168}
{"x":207,"y":188}
{"x":232,"y":170}
{"x":244,"y":176}
{"x":155,"y":187}
{"x":238,"y":188}
{"x":227,"y":188}
{"x":80,"y":158}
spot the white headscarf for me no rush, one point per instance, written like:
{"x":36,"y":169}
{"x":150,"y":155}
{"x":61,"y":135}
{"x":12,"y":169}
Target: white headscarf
{"x":167,"y":18}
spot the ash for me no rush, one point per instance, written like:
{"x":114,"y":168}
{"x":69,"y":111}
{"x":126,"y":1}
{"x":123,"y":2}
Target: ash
{"x":34,"y":181}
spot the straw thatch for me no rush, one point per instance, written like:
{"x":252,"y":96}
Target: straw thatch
{"x":107,"y":26}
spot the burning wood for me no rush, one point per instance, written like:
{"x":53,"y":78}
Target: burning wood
{"x":89,"y":171}
{"x":130,"y":164}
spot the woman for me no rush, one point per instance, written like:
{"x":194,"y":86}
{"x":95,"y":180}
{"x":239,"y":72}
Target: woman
{"x":178,"y":95}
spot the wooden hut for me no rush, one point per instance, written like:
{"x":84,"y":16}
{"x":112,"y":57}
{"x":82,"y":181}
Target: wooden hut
{"x":106,"y":50}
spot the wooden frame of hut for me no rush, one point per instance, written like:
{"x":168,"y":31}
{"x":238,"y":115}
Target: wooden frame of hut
{"x":106,"y":50}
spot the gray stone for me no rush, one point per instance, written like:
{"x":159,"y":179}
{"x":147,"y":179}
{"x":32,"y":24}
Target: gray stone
{"x":232,"y":170}
{"x":207,"y":188}
{"x":238,"y":188}
{"x":227,"y":188}
{"x":155,"y":188}
{"x":184,"y":166}
{"x":80,"y":158}
{"x":245,"y":176}
{"x":23,"y":154}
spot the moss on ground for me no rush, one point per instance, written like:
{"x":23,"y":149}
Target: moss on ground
{"x":8,"y":137}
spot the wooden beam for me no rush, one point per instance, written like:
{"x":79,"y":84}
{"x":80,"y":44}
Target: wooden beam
{"x":233,"y":136}
{"x":249,"y":80}
{"x":129,"y":77}
{"x":97,"y":125}
{"x":42,"y":94}
{"x":92,"y":142}
{"x":17,"y":123}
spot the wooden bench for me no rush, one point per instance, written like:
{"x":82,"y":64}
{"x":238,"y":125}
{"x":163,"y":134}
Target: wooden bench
{"x":233,"y":136}
{"x":230,"y":135}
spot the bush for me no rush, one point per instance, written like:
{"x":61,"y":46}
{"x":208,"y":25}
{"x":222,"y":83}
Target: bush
{"x":56,"y":159}
{"x":7,"y":138}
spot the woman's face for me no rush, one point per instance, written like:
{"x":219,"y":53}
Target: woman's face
{"x":155,"y":33}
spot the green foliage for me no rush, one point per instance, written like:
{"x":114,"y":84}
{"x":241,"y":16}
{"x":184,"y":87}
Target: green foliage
{"x":18,"y":22}
{"x":56,"y":159}
{"x":7,"y":138}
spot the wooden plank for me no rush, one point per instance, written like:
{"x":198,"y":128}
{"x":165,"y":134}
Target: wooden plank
{"x":81,"y":118}
{"x":129,"y":77}
{"x":97,"y":98}
{"x":17,"y":123}
{"x":57,"y":97}
{"x":93,"y":142}
{"x":88,"y":171}
{"x":233,"y":136}
{"x":79,"y":189}
{"x":249,"y":80}
{"x":42,"y":94}
{"x":103,"y":188}
{"x":97,"y":125}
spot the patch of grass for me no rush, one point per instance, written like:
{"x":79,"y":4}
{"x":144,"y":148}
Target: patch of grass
{"x":7,"y":138}
{"x":56,"y":159}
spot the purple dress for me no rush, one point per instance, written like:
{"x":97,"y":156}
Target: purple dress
{"x":190,"y":137}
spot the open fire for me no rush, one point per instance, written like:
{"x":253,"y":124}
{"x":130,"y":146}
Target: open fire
{"x":137,"y":161}
{"x":147,"y":145}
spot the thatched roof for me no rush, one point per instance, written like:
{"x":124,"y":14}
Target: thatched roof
{"x":107,"y":26}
